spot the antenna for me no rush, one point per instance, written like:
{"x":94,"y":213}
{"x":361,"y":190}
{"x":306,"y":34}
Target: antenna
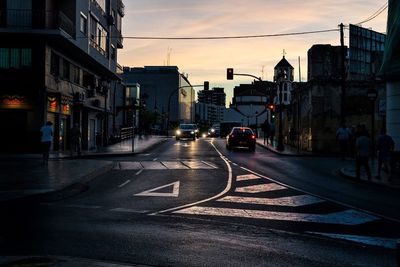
{"x":299,"y":71}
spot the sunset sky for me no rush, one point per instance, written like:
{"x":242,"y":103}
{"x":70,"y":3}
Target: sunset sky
{"x":207,"y":60}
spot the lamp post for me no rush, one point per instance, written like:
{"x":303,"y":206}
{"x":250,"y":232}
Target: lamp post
{"x":256,"y":123}
{"x":281,"y":77}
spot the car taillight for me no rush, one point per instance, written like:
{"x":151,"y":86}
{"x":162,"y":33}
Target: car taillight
{"x":253,"y":137}
{"x":232,"y":135}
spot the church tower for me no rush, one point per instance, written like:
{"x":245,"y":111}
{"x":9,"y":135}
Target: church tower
{"x":283,"y":74}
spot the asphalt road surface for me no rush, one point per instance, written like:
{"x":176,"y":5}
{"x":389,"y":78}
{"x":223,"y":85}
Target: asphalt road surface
{"x":193,"y":203}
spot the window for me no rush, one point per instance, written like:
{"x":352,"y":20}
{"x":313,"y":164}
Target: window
{"x":15,"y":58}
{"x":4,"y":58}
{"x":26,"y":58}
{"x":55,"y":64}
{"x":113,"y":52}
{"x":102,"y":4}
{"x":93,"y":28}
{"x":98,"y":36}
{"x":76,"y":74}
{"x":118,"y":22}
{"x":65,"y":69}
{"x":83,"y":25}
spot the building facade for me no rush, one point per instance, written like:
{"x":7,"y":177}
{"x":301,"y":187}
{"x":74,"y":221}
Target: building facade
{"x":58,"y":63}
{"x":210,"y":105}
{"x":164,"y":91}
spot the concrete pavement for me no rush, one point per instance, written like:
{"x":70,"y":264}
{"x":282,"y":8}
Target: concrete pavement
{"x":24,"y":175}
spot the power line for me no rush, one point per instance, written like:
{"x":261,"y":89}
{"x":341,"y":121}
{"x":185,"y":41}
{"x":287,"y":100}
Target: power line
{"x":375,"y":14}
{"x":227,"y":37}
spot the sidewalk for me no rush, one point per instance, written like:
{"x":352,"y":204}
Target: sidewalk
{"x":24,"y":175}
{"x":348,"y":169}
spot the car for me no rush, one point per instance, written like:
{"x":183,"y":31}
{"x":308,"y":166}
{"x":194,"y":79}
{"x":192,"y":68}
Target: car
{"x":186,"y":131}
{"x":214,"y":130}
{"x":241,"y":137}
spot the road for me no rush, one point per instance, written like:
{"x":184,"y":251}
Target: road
{"x":193,"y":203}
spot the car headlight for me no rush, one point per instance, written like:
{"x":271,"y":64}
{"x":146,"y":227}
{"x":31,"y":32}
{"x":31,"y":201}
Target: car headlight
{"x":212,"y":130}
{"x":192,"y":132}
{"x":178,"y":132}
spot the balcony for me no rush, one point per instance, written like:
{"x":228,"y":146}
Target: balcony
{"x":26,"y":19}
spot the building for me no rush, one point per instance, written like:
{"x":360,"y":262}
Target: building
{"x":164,"y":91}
{"x":58,"y":64}
{"x":365,"y":53}
{"x":210,"y":105}
{"x":324,"y":62}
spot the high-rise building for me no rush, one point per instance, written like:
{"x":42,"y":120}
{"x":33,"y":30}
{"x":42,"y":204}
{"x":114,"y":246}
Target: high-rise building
{"x":58,"y":63}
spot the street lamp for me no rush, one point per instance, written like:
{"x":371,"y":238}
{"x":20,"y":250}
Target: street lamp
{"x":281,"y":78}
{"x":256,"y":123}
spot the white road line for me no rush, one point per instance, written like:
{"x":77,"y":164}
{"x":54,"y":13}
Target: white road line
{"x":174,"y":165}
{"x":234,"y":164}
{"x":152,"y":192}
{"x":139,"y":172}
{"x":129,"y":210}
{"x":125,"y":183}
{"x":226,"y":190}
{"x":129,"y":165}
{"x":259,"y":188}
{"x":347,"y":217}
{"x":196,"y":165}
{"x":247,"y":177}
{"x":389,"y":243}
{"x":155,"y":159}
{"x":209,"y":164}
{"x":294,"y":201}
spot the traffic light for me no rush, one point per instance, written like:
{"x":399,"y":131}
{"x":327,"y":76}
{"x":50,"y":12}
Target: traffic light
{"x":229,"y":73}
{"x":271,"y":107}
{"x":206,"y":85}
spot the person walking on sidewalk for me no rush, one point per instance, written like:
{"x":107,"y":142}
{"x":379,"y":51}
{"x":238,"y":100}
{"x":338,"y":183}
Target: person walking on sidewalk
{"x":343,"y":135}
{"x":76,"y":140}
{"x":46,"y":139}
{"x":363,"y":150}
{"x":384,"y":146}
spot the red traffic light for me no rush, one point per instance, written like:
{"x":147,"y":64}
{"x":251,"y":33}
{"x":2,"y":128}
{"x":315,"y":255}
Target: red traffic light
{"x":229,"y":73}
{"x":271,"y":106}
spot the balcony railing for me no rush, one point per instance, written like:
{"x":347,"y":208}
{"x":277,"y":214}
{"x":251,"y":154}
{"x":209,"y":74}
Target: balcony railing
{"x":36,"y":19}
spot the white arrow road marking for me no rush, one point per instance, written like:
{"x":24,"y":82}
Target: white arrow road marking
{"x":368,"y":240}
{"x":247,"y":177}
{"x":294,"y":201}
{"x":260,"y":188}
{"x":152,"y":193}
{"x":347,"y":217}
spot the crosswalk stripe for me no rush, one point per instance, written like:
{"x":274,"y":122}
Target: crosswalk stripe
{"x":163,"y":165}
{"x":247,"y":177}
{"x":293,"y":201}
{"x":260,"y":188}
{"x":196,"y":165}
{"x":174,"y":165}
{"x":347,"y":217}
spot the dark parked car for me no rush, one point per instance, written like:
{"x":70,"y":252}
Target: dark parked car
{"x":241,"y":137}
{"x":186,"y":131}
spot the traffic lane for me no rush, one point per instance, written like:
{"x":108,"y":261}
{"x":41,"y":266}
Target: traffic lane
{"x":182,"y":149}
{"x":317,"y":176}
{"x":149,"y":190}
{"x":163,"y":240}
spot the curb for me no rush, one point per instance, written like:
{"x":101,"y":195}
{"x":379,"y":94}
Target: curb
{"x":293,"y":155}
{"x":343,"y":173}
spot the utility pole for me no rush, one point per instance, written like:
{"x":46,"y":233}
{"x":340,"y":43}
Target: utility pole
{"x":343,"y":76}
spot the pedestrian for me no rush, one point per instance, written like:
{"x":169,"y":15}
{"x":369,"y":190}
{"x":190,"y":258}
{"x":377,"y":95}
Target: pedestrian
{"x":76,"y":139}
{"x":343,"y":135}
{"x":46,"y":139}
{"x":266,"y":129}
{"x":272,"y":133}
{"x":384,"y":146}
{"x":363,"y":151}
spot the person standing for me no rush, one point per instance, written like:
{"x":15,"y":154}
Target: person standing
{"x":343,"y":136}
{"x":46,"y":139}
{"x":363,"y":150}
{"x":76,"y":139}
{"x":384,"y":146}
